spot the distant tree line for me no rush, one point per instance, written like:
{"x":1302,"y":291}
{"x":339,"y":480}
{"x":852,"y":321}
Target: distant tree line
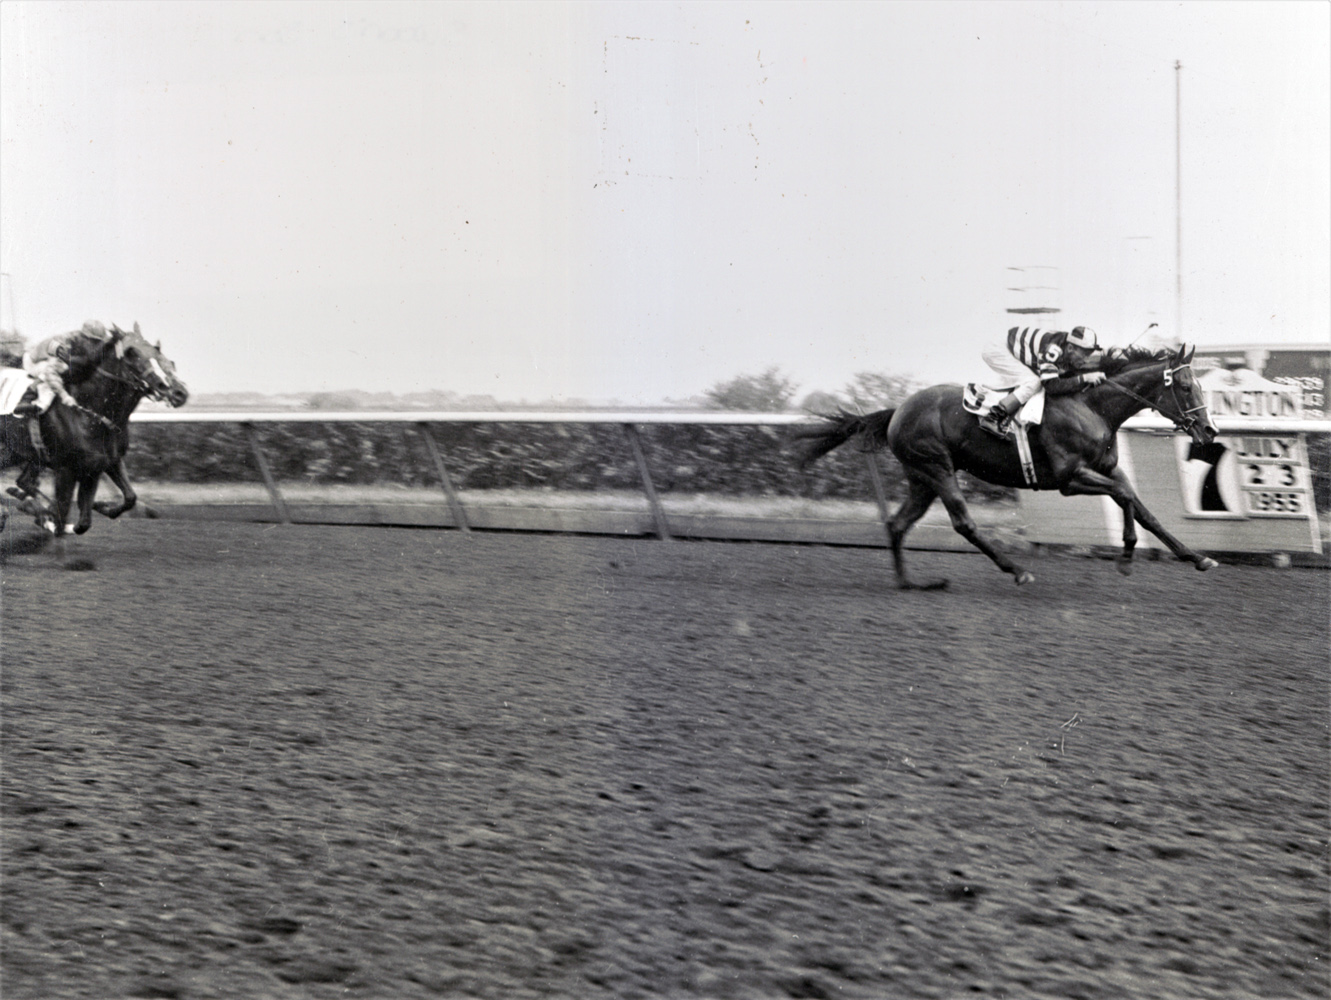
{"x":771,"y":392}
{"x":12,"y":346}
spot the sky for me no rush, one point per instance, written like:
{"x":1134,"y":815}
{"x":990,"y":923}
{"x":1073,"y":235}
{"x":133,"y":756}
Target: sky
{"x":631,"y":202}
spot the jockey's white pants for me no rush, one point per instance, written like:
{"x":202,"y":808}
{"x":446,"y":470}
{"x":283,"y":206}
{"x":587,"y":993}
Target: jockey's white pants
{"x":49,"y":374}
{"x":1023,"y":382}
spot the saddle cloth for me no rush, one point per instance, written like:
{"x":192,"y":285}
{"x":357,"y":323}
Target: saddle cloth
{"x":14,"y":383}
{"x":977,"y":398}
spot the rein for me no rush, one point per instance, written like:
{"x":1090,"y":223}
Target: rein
{"x":136,"y":383}
{"x":1186,"y":422}
{"x":105,"y":421}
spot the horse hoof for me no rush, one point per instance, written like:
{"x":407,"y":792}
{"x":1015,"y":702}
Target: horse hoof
{"x":1025,"y":577}
{"x":1205,"y":563}
{"x":1125,"y":567}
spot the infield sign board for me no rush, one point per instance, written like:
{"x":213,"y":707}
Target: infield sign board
{"x":1248,"y":474}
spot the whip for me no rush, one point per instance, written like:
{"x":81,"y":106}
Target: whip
{"x":1143,"y":333}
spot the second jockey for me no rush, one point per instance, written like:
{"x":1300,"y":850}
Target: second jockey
{"x":1058,"y":361}
{"x":50,"y":360}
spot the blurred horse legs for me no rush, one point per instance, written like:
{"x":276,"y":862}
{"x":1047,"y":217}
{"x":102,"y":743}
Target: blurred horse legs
{"x":917,"y":501}
{"x":949,"y":491}
{"x":65,"y":482}
{"x":1087,"y":481}
{"x":129,"y":498}
{"x":87,"y":491}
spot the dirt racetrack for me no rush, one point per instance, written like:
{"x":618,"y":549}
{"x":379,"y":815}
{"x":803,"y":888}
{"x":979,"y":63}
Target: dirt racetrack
{"x":247,"y":762}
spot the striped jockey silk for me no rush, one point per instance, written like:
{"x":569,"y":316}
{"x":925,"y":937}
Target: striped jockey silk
{"x":1039,"y":350}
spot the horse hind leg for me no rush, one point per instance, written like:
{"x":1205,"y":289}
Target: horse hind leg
{"x":28,"y":483}
{"x":918,"y":500}
{"x":1124,"y":560}
{"x":949,"y":491}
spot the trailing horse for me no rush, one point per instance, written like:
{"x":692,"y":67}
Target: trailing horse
{"x":1074,"y":450}
{"x":85,"y":442}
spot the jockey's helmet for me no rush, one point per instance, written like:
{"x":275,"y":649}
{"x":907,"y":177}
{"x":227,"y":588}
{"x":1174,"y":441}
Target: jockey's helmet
{"x":1083,"y":337}
{"x":94,"y":330}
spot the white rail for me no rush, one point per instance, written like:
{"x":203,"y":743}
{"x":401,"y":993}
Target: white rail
{"x":470,"y":417}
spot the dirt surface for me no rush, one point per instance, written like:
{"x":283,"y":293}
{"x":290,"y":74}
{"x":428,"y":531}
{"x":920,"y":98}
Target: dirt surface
{"x":248,"y":761}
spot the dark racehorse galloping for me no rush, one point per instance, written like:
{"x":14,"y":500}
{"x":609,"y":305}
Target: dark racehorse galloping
{"x":1075,"y":449}
{"x":82,"y":443}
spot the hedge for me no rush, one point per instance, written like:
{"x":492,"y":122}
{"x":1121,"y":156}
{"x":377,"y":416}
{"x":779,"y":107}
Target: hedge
{"x":682,"y":458}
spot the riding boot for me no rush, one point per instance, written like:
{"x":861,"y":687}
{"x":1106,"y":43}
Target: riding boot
{"x":27,"y":405}
{"x":999,"y":418}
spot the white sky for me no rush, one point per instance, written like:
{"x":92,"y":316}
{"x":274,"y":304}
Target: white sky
{"x":634,"y":201}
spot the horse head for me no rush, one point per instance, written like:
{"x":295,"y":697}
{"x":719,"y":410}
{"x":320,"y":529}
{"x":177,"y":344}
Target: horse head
{"x":145,"y":364}
{"x":1182,"y":400}
{"x":1163,"y":380}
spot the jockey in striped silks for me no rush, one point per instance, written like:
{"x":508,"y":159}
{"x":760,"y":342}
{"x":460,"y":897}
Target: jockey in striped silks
{"x":1030,"y":359}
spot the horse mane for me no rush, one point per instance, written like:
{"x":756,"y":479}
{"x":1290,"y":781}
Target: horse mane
{"x":1134,"y":357}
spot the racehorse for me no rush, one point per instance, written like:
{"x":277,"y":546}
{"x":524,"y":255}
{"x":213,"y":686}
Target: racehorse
{"x":1075,"y":450}
{"x":86,"y":441}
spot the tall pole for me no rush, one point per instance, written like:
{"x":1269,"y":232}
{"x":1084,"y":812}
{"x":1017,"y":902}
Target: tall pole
{"x":1178,"y":201}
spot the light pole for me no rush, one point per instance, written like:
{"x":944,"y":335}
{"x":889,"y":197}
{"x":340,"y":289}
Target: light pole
{"x":1178,"y":201}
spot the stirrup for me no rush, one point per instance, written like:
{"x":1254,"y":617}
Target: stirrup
{"x":1001,"y":429}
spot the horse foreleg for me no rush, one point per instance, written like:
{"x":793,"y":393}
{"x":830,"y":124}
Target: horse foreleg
{"x":1129,"y":522}
{"x":949,"y":491}
{"x":29,"y":479}
{"x":917,"y":501}
{"x":1123,"y":496}
{"x":128,"y":497}
{"x":87,"y":491}
{"x":1116,"y":485}
{"x":65,"y":481}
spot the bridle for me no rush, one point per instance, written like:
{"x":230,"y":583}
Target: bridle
{"x":134,"y":380}
{"x":1185,"y":422}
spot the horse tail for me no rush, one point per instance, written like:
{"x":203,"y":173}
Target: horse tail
{"x":838,"y":428}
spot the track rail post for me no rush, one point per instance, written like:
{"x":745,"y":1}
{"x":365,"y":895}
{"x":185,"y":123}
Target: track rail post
{"x":454,"y":501}
{"x":879,"y":490}
{"x":658,"y":512}
{"x":279,"y":505}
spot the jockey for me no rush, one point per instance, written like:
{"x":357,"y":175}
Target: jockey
{"x":49,"y":360}
{"x":1059,"y":362}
